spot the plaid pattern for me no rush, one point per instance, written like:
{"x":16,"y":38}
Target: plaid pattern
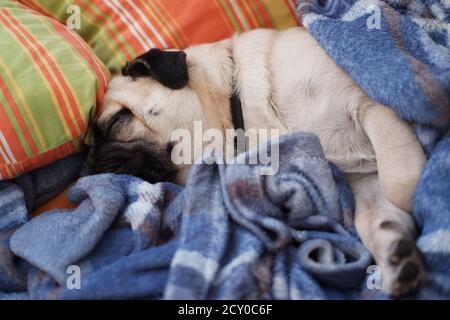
{"x":119,"y":30}
{"x":250,"y":237}
{"x":50,"y":83}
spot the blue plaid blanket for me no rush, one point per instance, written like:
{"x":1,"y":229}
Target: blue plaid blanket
{"x":398,"y":51}
{"x":230,"y":234}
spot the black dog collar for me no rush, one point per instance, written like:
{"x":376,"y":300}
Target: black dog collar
{"x":236,"y":111}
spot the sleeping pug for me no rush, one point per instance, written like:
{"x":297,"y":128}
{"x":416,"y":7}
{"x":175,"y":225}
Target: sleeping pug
{"x":285,"y":81}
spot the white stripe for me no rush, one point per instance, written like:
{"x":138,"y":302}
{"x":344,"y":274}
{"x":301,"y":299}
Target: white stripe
{"x":148,"y":23}
{"x":243,"y":258}
{"x":148,"y":195}
{"x":359,"y":9}
{"x":6,"y":146}
{"x":239,"y":15}
{"x":134,"y":28}
{"x":417,"y":6}
{"x":438,"y":54}
{"x":438,"y":12}
{"x":310,"y":18}
{"x":12,"y":196}
{"x":3,"y":154}
{"x":436,"y":242}
{"x":280,"y":287}
{"x":175,"y":292}
{"x":194,"y":260}
{"x":136,"y":25}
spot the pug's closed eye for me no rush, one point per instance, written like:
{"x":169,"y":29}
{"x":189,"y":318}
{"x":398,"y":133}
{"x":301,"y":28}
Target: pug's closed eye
{"x":117,"y":121}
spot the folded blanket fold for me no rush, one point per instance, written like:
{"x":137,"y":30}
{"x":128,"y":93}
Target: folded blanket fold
{"x":294,"y":213}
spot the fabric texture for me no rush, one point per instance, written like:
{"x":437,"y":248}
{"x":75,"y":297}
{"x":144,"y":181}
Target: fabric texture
{"x":230,"y":234}
{"x":18,"y":197}
{"x":397,"y":51}
{"x":120,"y":30}
{"x":50,"y":84}
{"x":432,"y":214}
{"x":404,"y":63}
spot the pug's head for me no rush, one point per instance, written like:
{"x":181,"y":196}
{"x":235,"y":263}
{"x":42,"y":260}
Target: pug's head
{"x":157,"y":93}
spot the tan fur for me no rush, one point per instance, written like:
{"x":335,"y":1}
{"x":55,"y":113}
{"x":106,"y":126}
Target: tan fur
{"x":286,"y":81}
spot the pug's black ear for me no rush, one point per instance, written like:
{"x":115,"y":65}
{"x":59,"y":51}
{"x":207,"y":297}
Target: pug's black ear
{"x":167,"y":67}
{"x":136,"y":68}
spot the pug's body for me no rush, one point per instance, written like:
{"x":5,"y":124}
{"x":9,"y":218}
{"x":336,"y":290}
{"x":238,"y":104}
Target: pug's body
{"x":285,"y":81}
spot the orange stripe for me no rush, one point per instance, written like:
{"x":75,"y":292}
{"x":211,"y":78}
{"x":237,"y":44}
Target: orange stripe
{"x":155,"y":18}
{"x":184,"y":39}
{"x":9,"y":131}
{"x":18,"y":116}
{"x":262,"y":10}
{"x":234,"y":14}
{"x":224,"y":16}
{"x":249,"y":15}
{"x":40,"y":160}
{"x":4,"y":153}
{"x":173,"y":28}
{"x":39,"y":53}
{"x":145,"y":29}
{"x":217,"y":28}
{"x":123,"y":25}
{"x":55,"y":70}
{"x":43,"y":67}
{"x":126,"y":26}
{"x":88,"y":56}
{"x":103,"y":20}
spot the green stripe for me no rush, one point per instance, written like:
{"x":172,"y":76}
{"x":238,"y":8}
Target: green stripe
{"x":42,"y":101}
{"x":84,"y":95}
{"x":257,"y":13}
{"x":10,"y":4}
{"x":162,"y":19}
{"x":114,"y":30}
{"x":90,"y":31}
{"x":15,"y":125}
{"x":94,"y":32}
{"x":22,"y":111}
{"x":26,"y":77}
{"x":229,"y":12}
{"x":36,"y":90}
{"x":272,"y":20}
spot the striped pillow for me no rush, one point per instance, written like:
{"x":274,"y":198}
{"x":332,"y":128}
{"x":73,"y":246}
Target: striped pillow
{"x":119,"y":30}
{"x":50,"y":82}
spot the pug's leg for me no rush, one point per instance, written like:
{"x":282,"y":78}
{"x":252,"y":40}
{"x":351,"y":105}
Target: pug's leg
{"x":389,"y":234}
{"x":400,"y":157}
{"x":384,"y":202}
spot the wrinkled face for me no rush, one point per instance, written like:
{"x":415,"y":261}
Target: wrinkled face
{"x":141,"y":108}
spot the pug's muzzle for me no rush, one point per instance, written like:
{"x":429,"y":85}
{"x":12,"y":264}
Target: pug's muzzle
{"x":139,"y":158}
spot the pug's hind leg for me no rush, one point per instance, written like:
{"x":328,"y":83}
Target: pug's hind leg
{"x":389,"y":234}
